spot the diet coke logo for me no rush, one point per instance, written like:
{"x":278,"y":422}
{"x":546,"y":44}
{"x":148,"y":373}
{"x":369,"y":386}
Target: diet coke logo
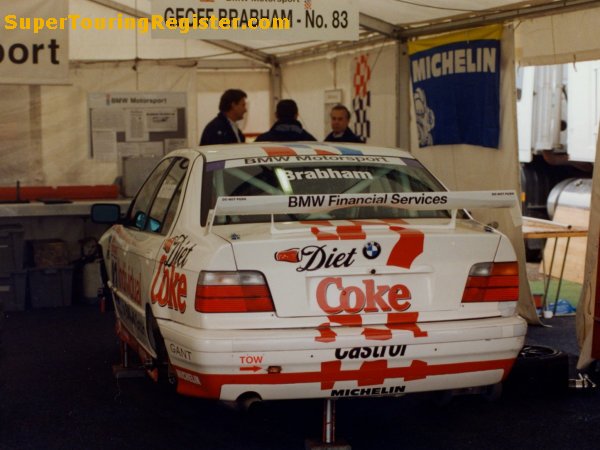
{"x":315,"y":257}
{"x":334,"y":298}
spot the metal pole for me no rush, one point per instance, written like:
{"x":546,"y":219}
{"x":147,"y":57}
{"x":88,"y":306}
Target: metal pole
{"x":547,"y":281}
{"x":276,"y":87}
{"x":329,"y":421}
{"x":562,"y":270}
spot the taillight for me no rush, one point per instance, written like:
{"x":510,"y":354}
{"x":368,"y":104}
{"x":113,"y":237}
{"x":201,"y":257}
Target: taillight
{"x":228,"y":292}
{"x":492,"y":282}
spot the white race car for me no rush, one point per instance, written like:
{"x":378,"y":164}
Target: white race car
{"x":304,"y":270}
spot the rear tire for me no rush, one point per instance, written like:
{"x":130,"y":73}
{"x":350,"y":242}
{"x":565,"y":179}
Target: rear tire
{"x":539,"y":370}
{"x":154,"y":337}
{"x":166,"y":375}
{"x":106,"y":291}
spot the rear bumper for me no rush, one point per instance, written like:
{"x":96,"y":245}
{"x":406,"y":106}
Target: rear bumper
{"x":342,"y":361}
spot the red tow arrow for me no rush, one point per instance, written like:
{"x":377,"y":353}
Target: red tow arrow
{"x":251,"y":368}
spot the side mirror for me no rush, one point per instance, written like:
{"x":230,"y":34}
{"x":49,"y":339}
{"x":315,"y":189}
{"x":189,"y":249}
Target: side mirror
{"x":107,"y":213}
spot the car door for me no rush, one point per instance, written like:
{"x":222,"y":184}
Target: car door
{"x":137,"y":242}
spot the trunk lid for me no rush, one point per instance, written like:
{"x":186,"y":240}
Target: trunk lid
{"x":365,"y":267}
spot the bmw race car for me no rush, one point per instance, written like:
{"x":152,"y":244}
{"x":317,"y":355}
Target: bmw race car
{"x":304,"y":270}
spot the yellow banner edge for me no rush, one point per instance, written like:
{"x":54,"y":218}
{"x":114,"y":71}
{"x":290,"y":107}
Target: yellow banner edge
{"x":493,"y":32}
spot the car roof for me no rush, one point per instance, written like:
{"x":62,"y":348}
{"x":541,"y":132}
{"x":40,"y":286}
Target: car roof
{"x":255,"y":149}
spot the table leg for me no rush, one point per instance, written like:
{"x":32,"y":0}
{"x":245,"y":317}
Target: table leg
{"x":549,"y":277}
{"x":562,"y":270}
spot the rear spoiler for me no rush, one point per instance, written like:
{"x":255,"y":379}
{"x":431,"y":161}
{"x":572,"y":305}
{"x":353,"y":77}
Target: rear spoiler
{"x":319,"y":203}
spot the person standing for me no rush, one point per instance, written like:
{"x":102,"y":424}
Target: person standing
{"x":287,"y":127}
{"x":223,"y":129}
{"x":340,"y":118}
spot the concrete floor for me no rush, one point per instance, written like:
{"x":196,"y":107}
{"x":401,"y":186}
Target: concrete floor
{"x":57,"y":392}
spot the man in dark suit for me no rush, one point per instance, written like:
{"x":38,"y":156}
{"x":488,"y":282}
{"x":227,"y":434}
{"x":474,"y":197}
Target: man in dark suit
{"x":223,"y":129}
{"x":340,"y":118}
{"x":287,"y":127}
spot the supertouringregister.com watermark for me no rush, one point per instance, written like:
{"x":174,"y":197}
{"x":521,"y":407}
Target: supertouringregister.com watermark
{"x":142,"y":24}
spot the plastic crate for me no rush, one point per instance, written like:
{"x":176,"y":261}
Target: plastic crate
{"x":13,"y":288}
{"x":11,"y":248}
{"x":50,"y":287}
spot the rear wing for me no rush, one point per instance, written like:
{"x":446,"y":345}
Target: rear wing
{"x":322,"y":203}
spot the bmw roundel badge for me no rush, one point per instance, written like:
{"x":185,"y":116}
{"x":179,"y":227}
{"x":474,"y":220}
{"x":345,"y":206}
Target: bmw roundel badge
{"x":371,"y":250}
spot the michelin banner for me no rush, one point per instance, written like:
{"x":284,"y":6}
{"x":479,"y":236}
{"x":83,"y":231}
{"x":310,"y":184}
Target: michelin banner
{"x":29,"y":55}
{"x":456,"y":87}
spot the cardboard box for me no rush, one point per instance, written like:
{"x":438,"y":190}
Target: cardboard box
{"x":50,"y":253}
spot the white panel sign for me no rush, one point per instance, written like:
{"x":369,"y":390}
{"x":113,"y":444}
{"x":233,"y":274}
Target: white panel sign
{"x":136,"y":124}
{"x":34,"y":47}
{"x":287,"y":20}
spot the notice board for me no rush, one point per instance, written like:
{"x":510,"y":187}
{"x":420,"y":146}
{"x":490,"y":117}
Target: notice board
{"x":131,"y":124}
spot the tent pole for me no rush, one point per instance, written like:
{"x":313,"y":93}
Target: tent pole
{"x":402,"y":97}
{"x":276,"y":88}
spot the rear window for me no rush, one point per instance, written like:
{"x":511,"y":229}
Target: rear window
{"x":406,"y":176}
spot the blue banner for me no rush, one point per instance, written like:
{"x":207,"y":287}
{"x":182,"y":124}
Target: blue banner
{"x":456,"y":87}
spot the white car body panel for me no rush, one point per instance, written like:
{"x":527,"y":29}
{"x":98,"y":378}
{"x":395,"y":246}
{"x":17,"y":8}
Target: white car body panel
{"x":386,"y":292}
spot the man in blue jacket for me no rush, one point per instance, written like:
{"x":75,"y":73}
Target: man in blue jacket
{"x":340,"y":119}
{"x":287,"y":127}
{"x":223,"y":129}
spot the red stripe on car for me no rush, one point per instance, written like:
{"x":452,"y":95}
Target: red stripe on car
{"x":408,"y":247}
{"x":370,"y":373}
{"x":325,"y":152}
{"x":324,"y":235}
{"x":349,"y":232}
{"x":280,"y":151}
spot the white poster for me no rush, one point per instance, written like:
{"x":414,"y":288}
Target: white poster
{"x":136,"y":124}
{"x":34,"y":42}
{"x":162,"y":120}
{"x":291,"y":20}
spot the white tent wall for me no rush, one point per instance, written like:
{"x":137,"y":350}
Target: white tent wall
{"x":306,"y":83}
{"x":66,"y":155}
{"x":586,"y":306}
{"x":465,"y":167}
{"x":99,"y":44}
{"x":125,"y":44}
{"x":256,"y":83}
{"x":65,"y":121}
{"x":20,"y":146}
{"x":558,"y":39}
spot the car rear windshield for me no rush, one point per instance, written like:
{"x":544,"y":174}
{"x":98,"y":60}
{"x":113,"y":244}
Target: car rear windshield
{"x":406,"y":176}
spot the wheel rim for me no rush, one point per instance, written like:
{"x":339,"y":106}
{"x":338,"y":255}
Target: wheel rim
{"x":536,"y":351}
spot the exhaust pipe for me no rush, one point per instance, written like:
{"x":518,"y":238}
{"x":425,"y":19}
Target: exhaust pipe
{"x":245,"y":401}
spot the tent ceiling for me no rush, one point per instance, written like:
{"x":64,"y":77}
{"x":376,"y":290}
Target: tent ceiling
{"x":380,"y":20}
